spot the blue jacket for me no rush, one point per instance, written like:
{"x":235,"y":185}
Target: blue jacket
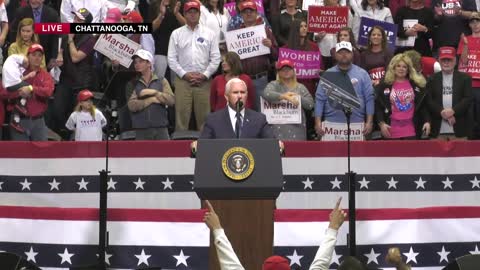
{"x":363,"y":87}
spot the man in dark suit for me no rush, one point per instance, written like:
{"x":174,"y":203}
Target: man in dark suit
{"x":40,"y":13}
{"x":225,"y":123}
{"x":449,"y":98}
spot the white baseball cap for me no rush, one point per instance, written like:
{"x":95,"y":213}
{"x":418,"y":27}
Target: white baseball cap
{"x":344,"y":45}
{"x":144,"y":54}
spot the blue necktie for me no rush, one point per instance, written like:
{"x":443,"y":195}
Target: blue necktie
{"x":36,"y":15}
{"x":238,"y":124}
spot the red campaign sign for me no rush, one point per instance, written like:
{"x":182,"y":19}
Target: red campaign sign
{"x":328,"y":19}
{"x":473,"y":65}
{"x":377,"y":73}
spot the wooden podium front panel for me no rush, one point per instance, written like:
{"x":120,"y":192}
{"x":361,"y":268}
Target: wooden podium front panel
{"x":248,"y":225}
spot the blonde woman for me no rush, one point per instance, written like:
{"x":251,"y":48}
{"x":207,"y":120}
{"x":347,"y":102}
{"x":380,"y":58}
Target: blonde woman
{"x":286,"y":88}
{"x":25,"y":38}
{"x":400,"y":105}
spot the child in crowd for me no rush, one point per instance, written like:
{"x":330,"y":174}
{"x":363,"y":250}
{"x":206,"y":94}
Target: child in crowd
{"x":86,"y":120}
{"x":13,"y":80}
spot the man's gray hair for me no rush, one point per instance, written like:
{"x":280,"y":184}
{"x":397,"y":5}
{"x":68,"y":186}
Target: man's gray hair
{"x":228,"y":86}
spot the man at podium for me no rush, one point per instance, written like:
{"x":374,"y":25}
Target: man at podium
{"x":236,"y":121}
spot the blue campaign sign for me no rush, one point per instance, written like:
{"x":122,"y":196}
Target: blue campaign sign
{"x":366,"y":24}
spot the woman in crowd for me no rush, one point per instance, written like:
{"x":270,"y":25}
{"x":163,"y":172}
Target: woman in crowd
{"x":287,"y":88}
{"x":400,"y":106}
{"x":420,"y":27}
{"x":470,"y":46}
{"x":298,"y":40}
{"x":215,"y":17}
{"x":373,"y":9}
{"x":376,"y":57}
{"x":327,"y":41}
{"x":283,"y":24}
{"x":25,"y":38}
{"x":232,"y":68}
{"x":346,"y":34}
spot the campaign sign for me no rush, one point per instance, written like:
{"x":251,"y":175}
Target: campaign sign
{"x":247,"y":42}
{"x":117,"y":47}
{"x":307,"y":63}
{"x":233,"y":11}
{"x":366,"y":25}
{"x":328,"y":19}
{"x":473,"y":65}
{"x":283,"y":112}
{"x":339,"y":131}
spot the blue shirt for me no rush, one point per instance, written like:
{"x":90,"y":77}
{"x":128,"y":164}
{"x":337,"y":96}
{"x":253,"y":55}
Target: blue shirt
{"x":362,"y":85}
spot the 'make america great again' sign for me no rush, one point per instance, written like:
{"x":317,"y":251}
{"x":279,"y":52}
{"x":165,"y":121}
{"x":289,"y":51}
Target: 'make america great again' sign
{"x":328,"y":19}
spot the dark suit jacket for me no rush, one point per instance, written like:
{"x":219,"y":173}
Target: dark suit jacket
{"x":219,"y":126}
{"x":461,"y":102}
{"x":49,"y":42}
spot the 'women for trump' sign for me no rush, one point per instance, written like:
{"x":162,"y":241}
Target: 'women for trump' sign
{"x":307,"y":63}
{"x":328,"y":19}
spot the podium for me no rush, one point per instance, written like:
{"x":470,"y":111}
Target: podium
{"x":241,"y":178}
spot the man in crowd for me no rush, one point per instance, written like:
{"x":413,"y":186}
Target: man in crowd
{"x":450,"y":99}
{"x":193,"y":54}
{"x":257,"y":67}
{"x":148,"y":98}
{"x":362,"y":85}
{"x":40,"y":13}
{"x":229,"y":261}
{"x":98,"y":9}
{"x":32,"y":123}
{"x":226,"y":123}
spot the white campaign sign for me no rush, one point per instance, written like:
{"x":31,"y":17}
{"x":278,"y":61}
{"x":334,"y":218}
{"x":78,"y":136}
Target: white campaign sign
{"x":283,"y":112}
{"x":247,"y":42}
{"x":339,"y":131}
{"x":117,"y":47}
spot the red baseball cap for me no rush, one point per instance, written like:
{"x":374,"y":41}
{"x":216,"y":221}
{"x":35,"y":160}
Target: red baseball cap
{"x":35,"y":47}
{"x":248,"y":5}
{"x":276,"y":263}
{"x":191,"y":4}
{"x":84,"y":95}
{"x":114,"y":15}
{"x":134,"y":17}
{"x":446,"y":53}
{"x":284,"y":63}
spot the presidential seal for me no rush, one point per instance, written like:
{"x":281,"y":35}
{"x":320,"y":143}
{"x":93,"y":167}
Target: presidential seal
{"x":238,"y":163}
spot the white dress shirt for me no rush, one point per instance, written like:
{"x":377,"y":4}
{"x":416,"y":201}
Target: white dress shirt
{"x":215,"y":22}
{"x":233,"y":116}
{"x":98,"y":9}
{"x":193,"y":51}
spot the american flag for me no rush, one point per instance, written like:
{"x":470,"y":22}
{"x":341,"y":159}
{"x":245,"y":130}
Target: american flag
{"x":419,"y":196}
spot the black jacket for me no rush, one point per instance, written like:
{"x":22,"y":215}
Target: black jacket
{"x":461,"y":102}
{"x":49,"y":42}
{"x":383,"y":107}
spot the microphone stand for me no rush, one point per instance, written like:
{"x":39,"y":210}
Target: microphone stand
{"x":351,"y":237}
{"x":238,"y":108}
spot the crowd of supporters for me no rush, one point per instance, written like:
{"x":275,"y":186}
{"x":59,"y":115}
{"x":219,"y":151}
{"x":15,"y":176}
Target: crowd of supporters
{"x":51,"y":83}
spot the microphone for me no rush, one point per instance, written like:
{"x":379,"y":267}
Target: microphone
{"x":239,"y":105}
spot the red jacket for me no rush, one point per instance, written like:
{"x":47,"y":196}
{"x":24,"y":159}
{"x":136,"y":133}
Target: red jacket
{"x":2,"y":105}
{"x":43,"y":87}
